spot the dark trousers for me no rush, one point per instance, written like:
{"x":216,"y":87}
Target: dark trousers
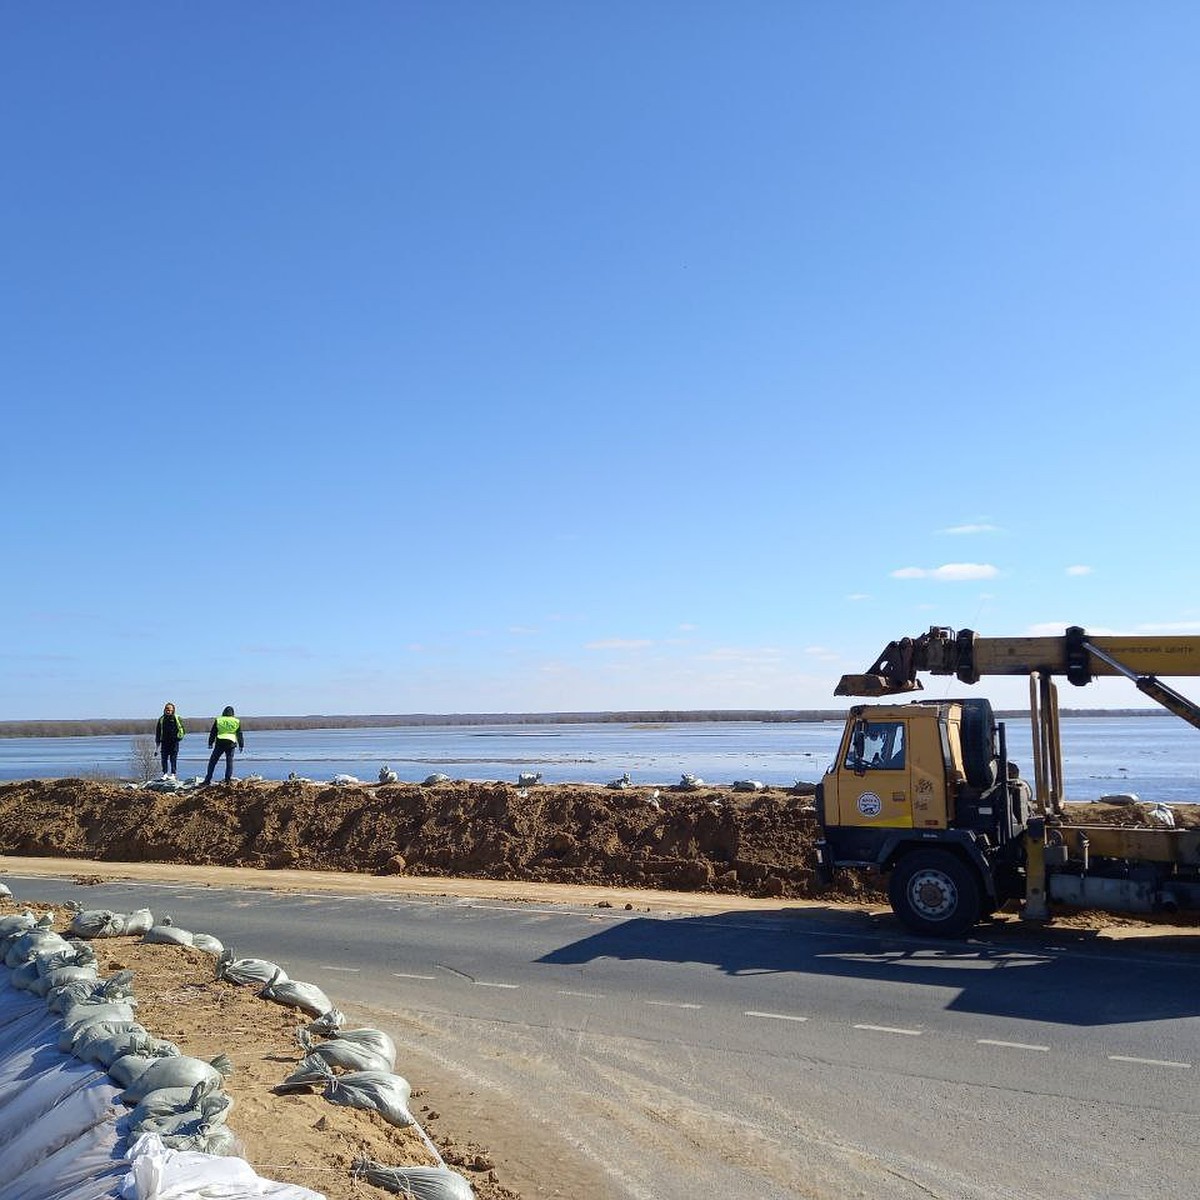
{"x":170,"y":757}
{"x":225,"y":748}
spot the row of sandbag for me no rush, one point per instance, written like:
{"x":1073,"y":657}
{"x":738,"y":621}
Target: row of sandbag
{"x":181,"y":1098}
{"x":352,"y":1067}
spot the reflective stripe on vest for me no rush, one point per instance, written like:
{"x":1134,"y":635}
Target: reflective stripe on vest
{"x":227,"y":729}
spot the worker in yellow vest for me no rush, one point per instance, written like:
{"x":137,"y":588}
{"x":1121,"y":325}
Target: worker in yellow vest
{"x":225,"y":734}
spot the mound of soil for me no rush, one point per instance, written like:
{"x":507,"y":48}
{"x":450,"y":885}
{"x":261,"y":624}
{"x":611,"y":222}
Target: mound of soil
{"x":757,"y":843}
{"x":712,"y":839}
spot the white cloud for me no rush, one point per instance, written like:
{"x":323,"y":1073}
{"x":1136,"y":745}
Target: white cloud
{"x":968,"y":529}
{"x":1170,"y":627}
{"x":619,"y":644}
{"x":1079,"y":570}
{"x":523,"y":630}
{"x":822,"y":653}
{"x":685,"y":627}
{"x":856,"y":596}
{"x":949,"y":572}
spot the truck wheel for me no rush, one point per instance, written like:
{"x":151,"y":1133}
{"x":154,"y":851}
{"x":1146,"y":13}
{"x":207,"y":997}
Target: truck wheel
{"x":934,"y":892}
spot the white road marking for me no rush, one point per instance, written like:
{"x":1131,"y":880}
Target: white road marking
{"x":890,"y":1029}
{"x":584,"y":995}
{"x":509,"y":986}
{"x":774,"y":1016}
{"x":1149,"y":1062}
{"x":672,"y":1004}
{"x":348,"y":970}
{"x":401,"y":975}
{"x":1010,"y":1045}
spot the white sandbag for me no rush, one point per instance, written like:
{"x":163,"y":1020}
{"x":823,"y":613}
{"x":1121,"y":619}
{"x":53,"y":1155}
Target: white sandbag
{"x":168,"y":935}
{"x":159,"y":1173}
{"x":138,"y":922}
{"x":208,"y":943}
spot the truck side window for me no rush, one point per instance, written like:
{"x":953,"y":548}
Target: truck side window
{"x":883,"y":747}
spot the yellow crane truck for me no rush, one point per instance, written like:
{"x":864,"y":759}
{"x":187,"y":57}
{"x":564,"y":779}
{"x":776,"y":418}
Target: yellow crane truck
{"x":925,"y":791}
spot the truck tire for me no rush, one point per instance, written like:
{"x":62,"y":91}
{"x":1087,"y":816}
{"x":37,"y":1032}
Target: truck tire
{"x":978,"y":743}
{"x":934,"y":892}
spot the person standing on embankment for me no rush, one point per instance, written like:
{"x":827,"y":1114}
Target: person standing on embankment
{"x":168,"y":733}
{"x":225,"y":734}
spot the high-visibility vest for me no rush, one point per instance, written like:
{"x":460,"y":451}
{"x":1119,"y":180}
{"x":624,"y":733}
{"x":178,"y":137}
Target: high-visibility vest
{"x":227,"y":729}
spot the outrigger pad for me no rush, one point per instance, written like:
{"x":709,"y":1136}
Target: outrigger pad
{"x":874,"y":685}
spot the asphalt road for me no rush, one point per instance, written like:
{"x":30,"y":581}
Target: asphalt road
{"x":799,"y":1053}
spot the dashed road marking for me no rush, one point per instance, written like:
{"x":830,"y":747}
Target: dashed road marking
{"x":584,"y":995}
{"x":889,"y":1029}
{"x":672,"y":1004}
{"x":507,"y":986}
{"x":774,"y":1016}
{"x":1149,"y":1062}
{"x":402,"y":975}
{"x":348,"y":970}
{"x":1010,"y":1045}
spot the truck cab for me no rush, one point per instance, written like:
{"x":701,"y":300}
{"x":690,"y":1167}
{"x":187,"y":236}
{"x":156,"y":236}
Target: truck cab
{"x":925,"y":791}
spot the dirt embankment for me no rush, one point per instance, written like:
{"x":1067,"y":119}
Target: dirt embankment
{"x":714,"y":840}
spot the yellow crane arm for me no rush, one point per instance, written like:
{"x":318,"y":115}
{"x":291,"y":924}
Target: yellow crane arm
{"x":1078,"y":656}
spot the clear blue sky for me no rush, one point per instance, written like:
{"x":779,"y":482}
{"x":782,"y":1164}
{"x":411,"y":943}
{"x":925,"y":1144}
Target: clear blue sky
{"x":443,"y":357}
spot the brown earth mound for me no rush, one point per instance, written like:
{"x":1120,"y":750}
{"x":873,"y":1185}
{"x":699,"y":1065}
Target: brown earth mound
{"x":756,"y":844}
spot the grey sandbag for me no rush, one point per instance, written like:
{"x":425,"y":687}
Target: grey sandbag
{"x":176,"y":1071}
{"x":88,"y":1039}
{"x":328,"y":1023}
{"x":374,"y":1091}
{"x":306,"y":996}
{"x":97,"y":922}
{"x":338,"y":1056}
{"x":419,"y":1183}
{"x":217,"y":1140}
{"x":58,"y":976}
{"x":208,"y":943}
{"x":17,"y":923}
{"x":374,"y":1040}
{"x":246,"y":971}
{"x":31,"y":943}
{"x":204,"y":1101}
{"x":87,"y":1013}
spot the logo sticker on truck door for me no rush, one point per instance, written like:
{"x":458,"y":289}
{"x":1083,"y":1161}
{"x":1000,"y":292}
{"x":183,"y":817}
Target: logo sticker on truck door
{"x":869,"y":804}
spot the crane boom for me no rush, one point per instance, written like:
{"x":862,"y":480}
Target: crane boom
{"x":1078,"y":656}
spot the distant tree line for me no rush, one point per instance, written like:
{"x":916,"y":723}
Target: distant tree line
{"x":109,"y":726}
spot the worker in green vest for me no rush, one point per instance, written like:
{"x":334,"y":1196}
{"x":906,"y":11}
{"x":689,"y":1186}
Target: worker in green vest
{"x":225,"y":734}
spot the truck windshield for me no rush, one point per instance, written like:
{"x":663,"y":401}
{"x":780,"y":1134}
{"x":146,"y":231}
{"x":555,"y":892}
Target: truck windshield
{"x":882,"y":747}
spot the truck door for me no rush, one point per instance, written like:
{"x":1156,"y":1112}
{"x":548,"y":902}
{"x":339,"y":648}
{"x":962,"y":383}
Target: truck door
{"x":874,"y":776}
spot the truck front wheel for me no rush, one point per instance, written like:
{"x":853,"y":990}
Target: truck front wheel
{"x":934,"y":892}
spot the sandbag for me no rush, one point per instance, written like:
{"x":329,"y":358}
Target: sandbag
{"x":375,"y":1091}
{"x":176,"y":1071}
{"x":417,"y":1183}
{"x":208,"y":943}
{"x":168,"y":935}
{"x":97,"y":922}
{"x":374,"y":1040}
{"x":306,"y":996}
{"x":247,"y":971}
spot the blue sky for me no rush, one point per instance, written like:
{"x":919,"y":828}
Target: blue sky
{"x":444,"y":357}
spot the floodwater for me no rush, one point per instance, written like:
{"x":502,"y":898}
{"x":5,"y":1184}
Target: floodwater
{"x":1156,"y":757}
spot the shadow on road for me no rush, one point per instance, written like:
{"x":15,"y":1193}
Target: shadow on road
{"x":1067,"y":976}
